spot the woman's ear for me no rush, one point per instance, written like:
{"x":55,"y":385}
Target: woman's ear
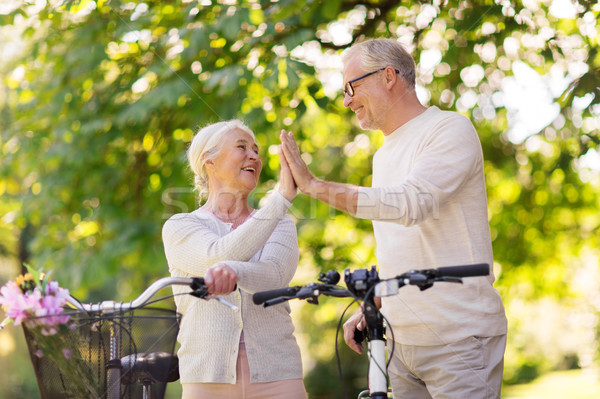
{"x":210,"y":165}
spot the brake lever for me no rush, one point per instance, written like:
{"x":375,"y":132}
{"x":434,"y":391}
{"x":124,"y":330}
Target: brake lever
{"x":224,"y":302}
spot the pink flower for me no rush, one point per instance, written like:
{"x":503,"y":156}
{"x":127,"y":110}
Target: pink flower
{"x":50,"y":312}
{"x":19,"y":306}
{"x":34,"y":307}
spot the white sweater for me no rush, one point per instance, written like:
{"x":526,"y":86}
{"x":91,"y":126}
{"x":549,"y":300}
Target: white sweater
{"x":429,"y":209}
{"x":263,"y":251}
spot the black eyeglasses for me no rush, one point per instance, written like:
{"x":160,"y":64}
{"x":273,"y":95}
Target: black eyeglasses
{"x":349,"y":90}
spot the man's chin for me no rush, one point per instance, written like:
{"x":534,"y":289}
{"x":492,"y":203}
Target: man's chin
{"x":366,"y":124}
{"x":361,"y":122}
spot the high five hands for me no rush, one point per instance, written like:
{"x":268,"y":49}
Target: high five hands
{"x":291,"y":157}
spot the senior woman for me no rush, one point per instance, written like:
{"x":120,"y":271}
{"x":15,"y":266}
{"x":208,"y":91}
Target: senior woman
{"x":239,"y":251}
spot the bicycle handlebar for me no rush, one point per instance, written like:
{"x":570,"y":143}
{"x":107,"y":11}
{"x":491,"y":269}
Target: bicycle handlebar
{"x":310,"y":292}
{"x":263,"y":296}
{"x":422,"y":278}
{"x":479,"y":269}
{"x":365,"y":285}
{"x":195,"y":283}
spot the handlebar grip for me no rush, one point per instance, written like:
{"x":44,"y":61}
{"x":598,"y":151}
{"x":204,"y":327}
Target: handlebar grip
{"x":479,"y":269}
{"x":359,"y":335}
{"x":260,"y":297}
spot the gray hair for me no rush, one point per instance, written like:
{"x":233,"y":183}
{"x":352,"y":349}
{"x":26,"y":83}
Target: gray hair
{"x":380,"y":53}
{"x":206,"y":145}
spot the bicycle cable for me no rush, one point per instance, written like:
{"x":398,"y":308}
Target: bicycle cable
{"x":337,"y":352}
{"x":164,"y":297}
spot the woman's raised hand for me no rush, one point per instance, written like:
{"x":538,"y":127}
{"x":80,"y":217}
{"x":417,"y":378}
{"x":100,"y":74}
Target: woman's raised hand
{"x":287,"y":185}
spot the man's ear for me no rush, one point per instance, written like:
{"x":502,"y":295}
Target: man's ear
{"x":391,"y":77}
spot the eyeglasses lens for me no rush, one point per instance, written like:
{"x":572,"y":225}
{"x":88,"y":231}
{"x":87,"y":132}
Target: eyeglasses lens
{"x":348,"y":89}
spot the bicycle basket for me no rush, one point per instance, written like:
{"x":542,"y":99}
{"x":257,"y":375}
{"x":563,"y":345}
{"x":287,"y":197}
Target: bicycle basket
{"x":115,"y":356}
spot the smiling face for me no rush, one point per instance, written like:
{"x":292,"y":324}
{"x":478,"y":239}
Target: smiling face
{"x":364,"y":101}
{"x":237,"y":166}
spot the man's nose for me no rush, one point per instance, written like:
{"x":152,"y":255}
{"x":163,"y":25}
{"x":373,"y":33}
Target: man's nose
{"x":347,"y":99}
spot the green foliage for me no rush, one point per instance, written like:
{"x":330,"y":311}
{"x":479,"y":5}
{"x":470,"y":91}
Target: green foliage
{"x":101,"y":98}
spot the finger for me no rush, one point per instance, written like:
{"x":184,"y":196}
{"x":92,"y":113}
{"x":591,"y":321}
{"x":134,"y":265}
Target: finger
{"x":285,"y":165}
{"x":347,"y":336}
{"x":361,"y":324}
{"x":226,"y":277}
{"x":291,"y":143}
{"x":209,"y":280}
{"x":285,"y":145}
{"x":216,"y":289}
{"x":225,"y":280}
{"x":288,"y":141}
{"x":232,"y":283}
{"x":220,"y":281}
{"x":292,"y":154}
{"x":355,"y":346}
{"x":349,"y":327}
{"x":283,"y":160}
{"x":351,"y":342}
{"x":284,"y":136}
{"x":215,"y":279}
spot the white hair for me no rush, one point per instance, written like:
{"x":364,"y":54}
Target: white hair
{"x":206,"y":145}
{"x":380,"y":53}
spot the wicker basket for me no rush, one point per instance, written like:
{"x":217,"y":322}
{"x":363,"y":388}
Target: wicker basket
{"x":122,"y":355}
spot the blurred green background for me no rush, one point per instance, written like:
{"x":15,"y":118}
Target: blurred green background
{"x":99,"y":100}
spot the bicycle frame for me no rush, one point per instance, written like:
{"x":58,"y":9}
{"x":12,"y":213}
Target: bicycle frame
{"x":376,"y":350}
{"x":362,"y":283}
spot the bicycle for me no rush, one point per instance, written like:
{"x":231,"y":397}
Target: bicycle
{"x":116,"y":350}
{"x":365,"y":285}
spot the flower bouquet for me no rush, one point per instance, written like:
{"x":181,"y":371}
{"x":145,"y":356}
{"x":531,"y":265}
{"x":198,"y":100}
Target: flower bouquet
{"x":115,"y":354}
{"x":38,"y":303}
